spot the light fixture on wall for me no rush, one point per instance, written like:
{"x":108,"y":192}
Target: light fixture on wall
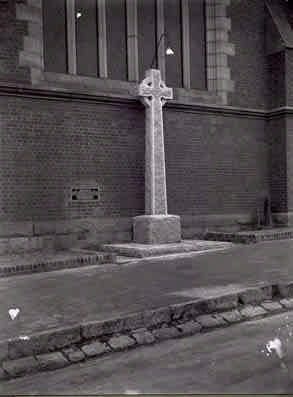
{"x":78,"y":14}
{"x":169,"y":51}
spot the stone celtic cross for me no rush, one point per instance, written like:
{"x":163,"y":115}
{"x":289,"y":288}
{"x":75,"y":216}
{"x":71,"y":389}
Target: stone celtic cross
{"x":154,"y":94}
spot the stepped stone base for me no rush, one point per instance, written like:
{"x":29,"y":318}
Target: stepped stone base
{"x":147,"y":250}
{"x":156,"y":229}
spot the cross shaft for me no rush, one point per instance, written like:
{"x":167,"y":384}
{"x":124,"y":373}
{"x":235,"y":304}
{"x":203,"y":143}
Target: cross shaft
{"x":154,"y":93}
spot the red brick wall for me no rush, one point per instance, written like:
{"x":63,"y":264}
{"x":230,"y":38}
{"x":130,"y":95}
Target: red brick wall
{"x":277,"y":79}
{"x":281,"y":133}
{"x":215,"y":164}
{"x":289,"y":76}
{"x":49,"y":146}
{"x":289,"y":147}
{"x":278,"y":163}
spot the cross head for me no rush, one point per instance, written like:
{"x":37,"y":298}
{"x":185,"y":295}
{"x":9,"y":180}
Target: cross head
{"x":154,"y":88}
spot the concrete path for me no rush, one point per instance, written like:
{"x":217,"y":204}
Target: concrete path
{"x":229,"y":360}
{"x":67,"y":297}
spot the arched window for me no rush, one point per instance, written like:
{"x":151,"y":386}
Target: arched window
{"x":116,"y":39}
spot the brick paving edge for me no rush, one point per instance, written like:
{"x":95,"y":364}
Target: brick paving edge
{"x":251,"y":237}
{"x":51,"y":265}
{"x":50,"y":350}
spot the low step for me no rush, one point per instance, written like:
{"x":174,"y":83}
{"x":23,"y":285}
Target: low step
{"x":251,"y":236}
{"x":147,"y":250}
{"x":41,"y":261}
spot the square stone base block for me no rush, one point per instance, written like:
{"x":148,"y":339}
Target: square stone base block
{"x":156,"y":229}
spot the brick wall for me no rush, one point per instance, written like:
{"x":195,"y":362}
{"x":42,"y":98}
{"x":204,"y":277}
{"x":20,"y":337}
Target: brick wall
{"x":215,"y":164}
{"x":278,"y":163}
{"x":11,"y":42}
{"x":289,"y":147}
{"x":281,"y":133}
{"x":248,"y":66}
{"x":276,"y":79}
{"x":49,"y":146}
{"x":289,"y":76}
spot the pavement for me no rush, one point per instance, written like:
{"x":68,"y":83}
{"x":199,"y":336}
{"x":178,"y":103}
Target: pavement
{"x":229,"y":360}
{"x":97,"y":293}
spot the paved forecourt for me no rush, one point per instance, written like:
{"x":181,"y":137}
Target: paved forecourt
{"x":66,"y":316}
{"x":67,"y":297}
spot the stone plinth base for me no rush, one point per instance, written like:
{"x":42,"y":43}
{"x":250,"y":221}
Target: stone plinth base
{"x":156,"y":229}
{"x":135,"y":250}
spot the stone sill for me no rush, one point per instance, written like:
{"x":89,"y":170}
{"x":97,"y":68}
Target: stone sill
{"x":114,"y":88}
{"x":185,"y":104}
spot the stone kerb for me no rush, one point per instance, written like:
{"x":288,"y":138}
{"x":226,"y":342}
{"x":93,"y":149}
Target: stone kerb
{"x":58,"y":348}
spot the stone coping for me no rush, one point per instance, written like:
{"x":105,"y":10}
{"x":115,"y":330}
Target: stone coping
{"x":26,"y":90}
{"x":58,"y":348}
